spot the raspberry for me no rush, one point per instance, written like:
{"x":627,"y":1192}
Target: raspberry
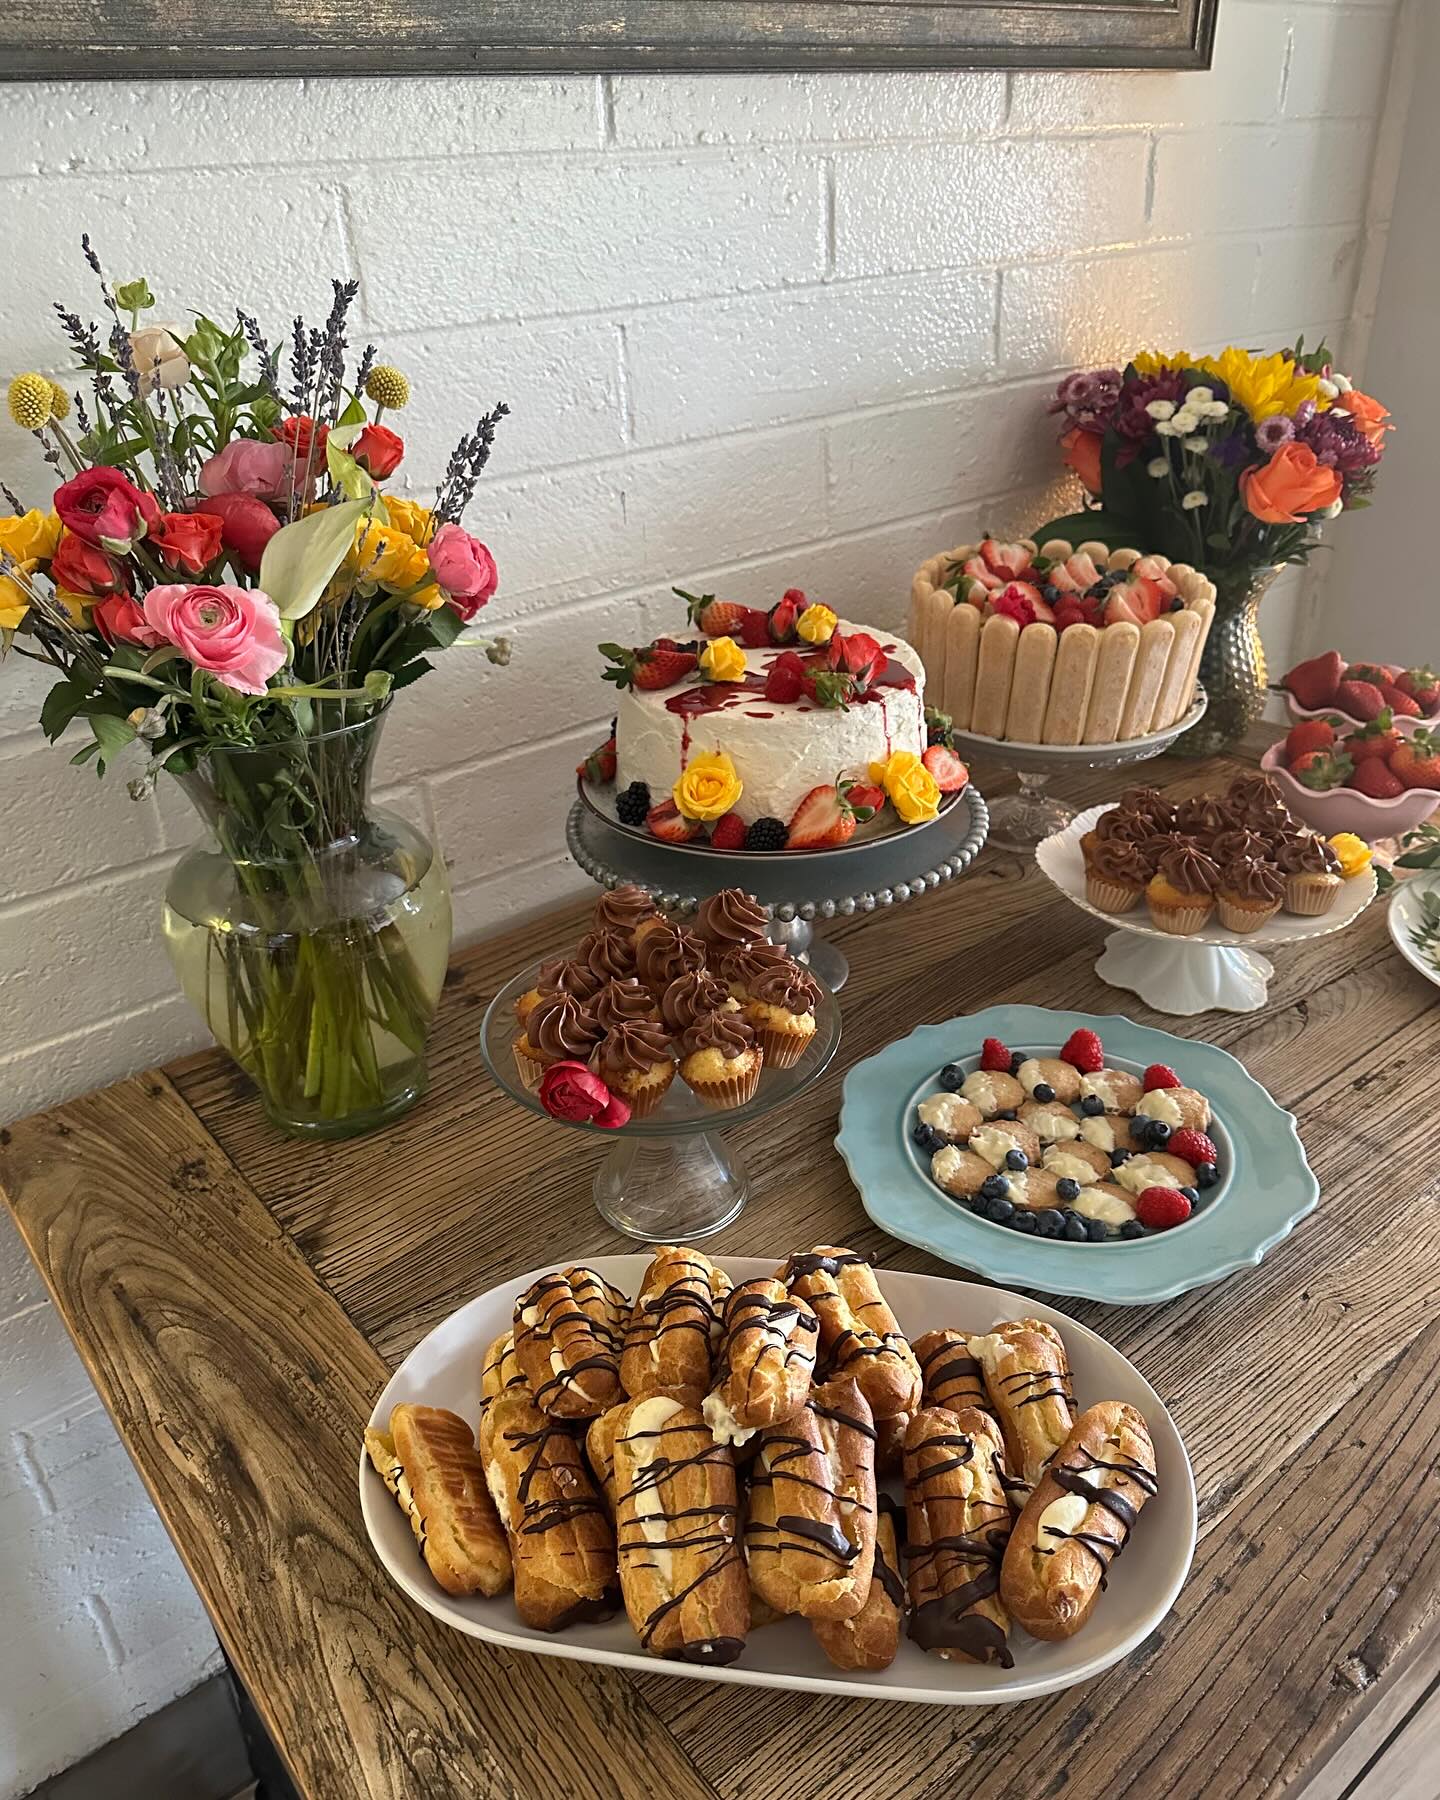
{"x":994,"y":1055}
{"x":1160,"y":1075}
{"x":1083,"y":1051}
{"x":728,"y":833}
{"x":1162,"y":1207}
{"x":1192,"y":1147}
{"x":785,"y":678}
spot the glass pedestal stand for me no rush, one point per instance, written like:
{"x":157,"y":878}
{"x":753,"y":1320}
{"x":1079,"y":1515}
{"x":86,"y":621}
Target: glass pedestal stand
{"x":798,"y":890}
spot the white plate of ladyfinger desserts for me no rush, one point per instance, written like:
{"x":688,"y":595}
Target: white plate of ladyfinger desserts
{"x":794,"y":1472}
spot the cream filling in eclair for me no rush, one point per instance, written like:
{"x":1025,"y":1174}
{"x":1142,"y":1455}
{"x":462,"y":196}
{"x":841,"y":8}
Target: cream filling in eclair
{"x":725,"y":1428}
{"x":642,"y":1439}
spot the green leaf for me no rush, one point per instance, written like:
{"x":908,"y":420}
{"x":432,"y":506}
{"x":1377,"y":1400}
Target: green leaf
{"x":112,"y":735}
{"x":301,"y":557}
{"x":412,"y":671}
{"x":354,"y":413}
{"x":445,"y":625}
{"x":65,"y":701}
{"x":345,"y":472}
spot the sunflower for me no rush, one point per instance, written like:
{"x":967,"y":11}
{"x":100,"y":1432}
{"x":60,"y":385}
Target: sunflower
{"x":1264,"y":385}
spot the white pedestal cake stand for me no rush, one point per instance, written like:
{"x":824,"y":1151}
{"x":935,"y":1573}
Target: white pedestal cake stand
{"x":1021,"y":821}
{"x":1212,"y":970}
{"x":859,"y":877}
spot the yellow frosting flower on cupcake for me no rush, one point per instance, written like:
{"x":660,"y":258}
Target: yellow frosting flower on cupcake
{"x":722,"y":659}
{"x":911,"y":788}
{"x":708,"y":786}
{"x":817,"y":624}
{"x":1353,"y":852}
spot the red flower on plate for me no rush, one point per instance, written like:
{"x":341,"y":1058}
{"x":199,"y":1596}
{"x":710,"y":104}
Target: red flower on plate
{"x":568,"y":1090}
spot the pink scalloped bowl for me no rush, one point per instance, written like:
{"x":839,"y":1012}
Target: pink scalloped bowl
{"x":1404,"y":724}
{"x":1342,"y":809}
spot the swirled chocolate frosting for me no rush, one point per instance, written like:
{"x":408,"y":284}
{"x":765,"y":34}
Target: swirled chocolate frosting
{"x":622,"y":908}
{"x":564,"y":975}
{"x":1203,"y":816}
{"x":793,"y":988}
{"x":749,"y":960}
{"x":1120,"y":827}
{"x":667,"y":952}
{"x":1251,"y":880}
{"x":690,"y":997}
{"x":622,"y":1002}
{"x":1147,"y":803}
{"x":1239,"y":842}
{"x":632,"y":1049}
{"x":730,"y":917}
{"x":726,"y":1032}
{"x":1307,"y":856}
{"x":611,"y":954}
{"x":1189,"y":871}
{"x":559,"y":1027}
{"x":1121,"y":862}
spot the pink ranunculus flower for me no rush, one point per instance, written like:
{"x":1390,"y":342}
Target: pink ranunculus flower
{"x":247,"y":466}
{"x":246,"y":526}
{"x":568,"y":1090}
{"x":464,"y":569}
{"x":232,"y":633}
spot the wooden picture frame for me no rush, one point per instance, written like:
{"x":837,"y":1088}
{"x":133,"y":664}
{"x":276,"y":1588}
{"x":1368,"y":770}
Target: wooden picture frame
{"x":52,"y":39}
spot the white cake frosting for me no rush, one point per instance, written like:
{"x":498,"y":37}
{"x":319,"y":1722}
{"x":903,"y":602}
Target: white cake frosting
{"x":780,"y":752}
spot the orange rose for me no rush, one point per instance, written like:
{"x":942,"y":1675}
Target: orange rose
{"x":1080,"y":451}
{"x":1369,"y":415}
{"x":1292,"y":485}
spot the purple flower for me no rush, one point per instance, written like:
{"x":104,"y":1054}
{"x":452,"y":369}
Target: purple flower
{"x":1088,"y":397}
{"x":1338,"y":443}
{"x":1271,"y":433}
{"x":1131,"y":419}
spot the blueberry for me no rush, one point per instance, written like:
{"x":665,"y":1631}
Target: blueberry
{"x":1000,"y":1210}
{"x":1050,"y":591}
{"x":1096,"y":1230}
{"x":1158,"y":1134}
{"x":1015,"y":1061}
{"x":1075,"y":1228}
{"x":994,"y":1187}
{"x":1191,"y":1195}
{"x":1092,"y":1106}
{"x":928,"y":1138}
{"x":1049,"y":1223}
{"x":1177,"y":604}
{"x":1016,"y":1159}
{"x":1117,"y":1157}
{"x":1132,"y":1228}
{"x":1023,"y":1221}
{"x":1011,"y":1114}
{"x":1067,"y":1189}
{"x":952,"y":1077}
{"x":1044,"y":1093}
{"x":1206,"y":1175}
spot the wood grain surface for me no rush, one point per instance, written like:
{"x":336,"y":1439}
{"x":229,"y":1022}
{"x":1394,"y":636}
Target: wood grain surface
{"x":239,"y":1299}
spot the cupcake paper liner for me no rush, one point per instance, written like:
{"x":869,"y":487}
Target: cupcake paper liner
{"x":1111,"y":896}
{"x":1311,"y":895}
{"x":1179,"y":921}
{"x":783,"y":1049}
{"x":530,"y":1066}
{"x":644,"y":1100}
{"x":733,"y":1092}
{"x":1235,"y":917}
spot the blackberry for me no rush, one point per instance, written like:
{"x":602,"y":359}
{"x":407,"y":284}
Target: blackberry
{"x":633,"y":804}
{"x":767,"y":834}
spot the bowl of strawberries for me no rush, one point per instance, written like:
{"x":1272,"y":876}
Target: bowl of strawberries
{"x":1378,"y":778}
{"x":1361,"y":691}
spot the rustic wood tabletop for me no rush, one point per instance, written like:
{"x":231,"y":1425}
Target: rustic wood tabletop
{"x":240,"y":1299}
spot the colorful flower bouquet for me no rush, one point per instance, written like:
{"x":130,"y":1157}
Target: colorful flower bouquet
{"x":219,"y":581}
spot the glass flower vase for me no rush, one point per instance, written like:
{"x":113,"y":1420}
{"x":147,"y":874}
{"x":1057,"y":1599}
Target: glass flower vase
{"x":311,"y":930}
{"x":1232,"y":664}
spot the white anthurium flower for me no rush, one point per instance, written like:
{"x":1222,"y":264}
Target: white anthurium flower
{"x":1195,"y":499}
{"x":1161,"y":409}
{"x":1197,"y":445}
{"x":1158,"y":467}
{"x":1200,"y":396}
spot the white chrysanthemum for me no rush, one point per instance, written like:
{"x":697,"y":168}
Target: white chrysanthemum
{"x":1195,"y":499}
{"x":1216,"y":409}
{"x":1185,"y":420}
{"x":1166,"y":428}
{"x":1159,"y":468}
{"x":1161,"y":409}
{"x":1197,"y":445}
{"x":1343,"y":382}
{"x":1200,"y":396}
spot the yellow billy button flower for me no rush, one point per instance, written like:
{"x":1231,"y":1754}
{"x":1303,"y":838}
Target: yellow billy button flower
{"x":30,"y":401}
{"x":59,"y":402}
{"x":722,"y":659}
{"x":911,"y":788}
{"x":708,"y":786}
{"x":388,"y":387}
{"x":817,"y":624}
{"x":1353,"y":852}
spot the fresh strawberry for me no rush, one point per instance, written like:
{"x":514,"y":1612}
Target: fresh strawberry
{"x":1156,"y":569}
{"x":728,"y":833}
{"x":1416,"y":760}
{"x":783,"y":614}
{"x":1192,"y":1147}
{"x":599,"y":765}
{"x":831,"y":688}
{"x":668,"y":822}
{"x":1022,"y":601}
{"x":975,"y":569}
{"x":864,"y":796}
{"x":648,"y":667}
{"x":1361,"y":699}
{"x":785,"y":678}
{"x":1321,"y":770}
{"x":1160,"y":1075}
{"x":1136,"y":599}
{"x":854,"y":653}
{"x":1423,"y":687}
{"x":950,"y":773}
{"x":823,"y":819}
{"x":1309,"y":734}
{"x":1162,"y":1207}
{"x":1375,"y":673}
{"x":1008,"y":560}
{"x":1404,"y":705}
{"x":995,"y":1057}
{"x":1084,"y":1051}
{"x":1375,"y":779}
{"x":969,"y":590}
{"x":754,"y":629}
{"x":1377,"y":739}
{"x":716,"y":618}
{"x":1313,"y":683}
{"x":1082,"y":567}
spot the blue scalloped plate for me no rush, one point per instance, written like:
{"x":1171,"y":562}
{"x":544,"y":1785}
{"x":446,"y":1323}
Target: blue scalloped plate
{"x":1267,"y":1187}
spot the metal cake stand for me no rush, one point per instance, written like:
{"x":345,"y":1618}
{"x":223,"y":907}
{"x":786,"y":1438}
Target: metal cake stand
{"x":798,"y":890}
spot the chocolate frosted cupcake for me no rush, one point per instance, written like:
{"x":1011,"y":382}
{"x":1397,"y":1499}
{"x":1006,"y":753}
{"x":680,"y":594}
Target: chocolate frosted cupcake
{"x":562,"y":975}
{"x":611,"y":954}
{"x":739,"y":967}
{"x":1181,"y":892}
{"x":729,"y":918}
{"x":1238,"y":843}
{"x":636,"y":1060}
{"x":692,"y":997}
{"x":1255,"y":800}
{"x":1249,"y":895}
{"x":1114,"y":827}
{"x":1312,"y":875}
{"x":720,"y":1060}
{"x":623,"y":1002}
{"x":624,"y":909}
{"x":1148,"y":803}
{"x":1203,"y":816}
{"x":1116,"y":875}
{"x":665,"y":953}
{"x":559,"y":1029}
{"x":782,"y":1007}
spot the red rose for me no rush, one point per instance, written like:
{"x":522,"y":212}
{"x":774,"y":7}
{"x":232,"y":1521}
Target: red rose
{"x":856,"y":653}
{"x":188,"y":541}
{"x":246,"y":526}
{"x":81,"y":568}
{"x":1080,"y":451}
{"x":307,"y":441}
{"x":103,"y":507}
{"x":568,"y":1090}
{"x":378,"y":450}
{"x":120,"y":620}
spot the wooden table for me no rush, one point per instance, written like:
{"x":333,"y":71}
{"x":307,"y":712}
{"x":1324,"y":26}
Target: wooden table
{"x":240,"y":1299}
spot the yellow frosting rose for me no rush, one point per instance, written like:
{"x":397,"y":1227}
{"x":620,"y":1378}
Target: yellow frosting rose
{"x":709,"y":787}
{"x":30,"y":536}
{"x":722,"y":659}
{"x":911,"y":788}
{"x":1353,"y":852}
{"x":817,"y":624}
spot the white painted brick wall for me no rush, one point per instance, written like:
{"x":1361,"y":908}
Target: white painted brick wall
{"x":754,"y":332}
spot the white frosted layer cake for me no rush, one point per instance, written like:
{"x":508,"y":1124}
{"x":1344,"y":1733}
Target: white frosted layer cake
{"x":780,"y":750}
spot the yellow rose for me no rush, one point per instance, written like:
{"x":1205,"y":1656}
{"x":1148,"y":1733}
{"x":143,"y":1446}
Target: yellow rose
{"x":74,"y":604}
{"x":30,"y":536}
{"x":817,"y":624}
{"x":385,"y":555}
{"x":416,"y":521}
{"x":1353,"y":852}
{"x":722,"y":659}
{"x":709,"y":786}
{"x":430,"y":597}
{"x":14,"y":598}
{"x":911,"y":788}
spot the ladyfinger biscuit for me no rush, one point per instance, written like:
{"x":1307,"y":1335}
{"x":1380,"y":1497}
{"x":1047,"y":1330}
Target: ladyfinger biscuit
{"x":859,"y":1335}
{"x":810,"y":1524}
{"x":1119,"y":649}
{"x":1027,"y":1376}
{"x":1070,"y":685}
{"x":952,"y":1377}
{"x":1030,"y":683}
{"x":962,"y":655}
{"x":1204,"y":610}
{"x":957,"y":1524}
{"x":674,"y":1327}
{"x":568,"y":1332}
{"x":871,"y":1638}
{"x":1078,"y":1521}
{"x":1157,"y":640}
{"x":994,"y":671}
{"x":929,"y":611}
{"x":677,"y":1529}
{"x":767,"y":1357}
{"x":1175,"y":689}
{"x":561,"y":1543}
{"x":428,"y":1461}
{"x":500,"y":1369}
{"x":1124,"y":558}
